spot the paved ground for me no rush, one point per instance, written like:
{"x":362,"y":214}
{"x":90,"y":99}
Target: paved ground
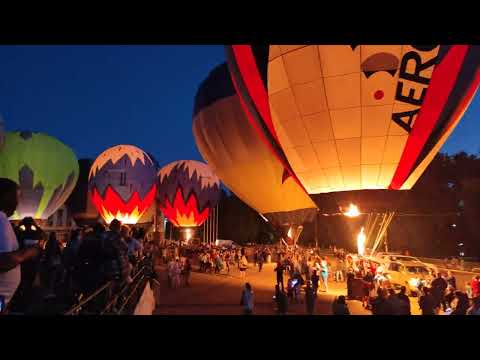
{"x":212,"y":294}
{"x":220,"y":294}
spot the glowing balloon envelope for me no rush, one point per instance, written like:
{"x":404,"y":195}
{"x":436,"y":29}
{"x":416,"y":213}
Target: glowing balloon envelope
{"x":45,"y":169}
{"x":345,"y":118}
{"x":187,"y":192}
{"x":235,"y":152}
{"x":122,"y":183}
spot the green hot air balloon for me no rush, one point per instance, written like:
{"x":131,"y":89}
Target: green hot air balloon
{"x":45,"y":169}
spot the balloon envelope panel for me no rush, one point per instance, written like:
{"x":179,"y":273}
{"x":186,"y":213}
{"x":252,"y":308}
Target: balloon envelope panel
{"x":187,"y":191}
{"x":45,"y":169}
{"x":122,"y":183}
{"x":355,"y":117}
{"x":235,"y":152}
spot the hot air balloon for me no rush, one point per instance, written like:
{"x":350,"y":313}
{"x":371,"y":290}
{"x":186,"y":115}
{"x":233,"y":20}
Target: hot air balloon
{"x":45,"y":169}
{"x":347,"y":119}
{"x":245,"y":164}
{"x":187,"y":192}
{"x":122,"y":183}
{"x":355,"y":122}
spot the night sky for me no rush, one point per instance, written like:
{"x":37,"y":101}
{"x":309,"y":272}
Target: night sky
{"x":94,"y":97}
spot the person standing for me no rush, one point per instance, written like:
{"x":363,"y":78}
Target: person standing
{"x":187,"y":271}
{"x":218,"y":264}
{"x":367,"y":286}
{"x":260,"y":260}
{"x":350,"y":280}
{"x":340,"y":270}
{"x":227,"y":261}
{"x":53,"y":262}
{"x":279,"y":271}
{"x":237,"y":258}
{"x":427,"y":302}
{"x":177,"y":272}
{"x":243,"y":265}
{"x":324,"y":273}
{"x":451,"y":280}
{"x":404,"y":302}
{"x":247,"y":300}
{"x":315,"y":281}
{"x":439,"y":285}
{"x":310,"y":299}
{"x":116,"y":251}
{"x":134,"y":247}
{"x":11,"y":257}
{"x":475,"y":285}
{"x":171,"y":273}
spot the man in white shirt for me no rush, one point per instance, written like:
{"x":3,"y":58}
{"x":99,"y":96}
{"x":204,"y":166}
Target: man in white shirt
{"x":10,"y":256}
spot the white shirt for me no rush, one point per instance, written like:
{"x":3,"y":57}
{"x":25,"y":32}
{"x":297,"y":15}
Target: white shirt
{"x":9,"y":280}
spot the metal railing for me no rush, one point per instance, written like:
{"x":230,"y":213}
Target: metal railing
{"x":121,"y":299}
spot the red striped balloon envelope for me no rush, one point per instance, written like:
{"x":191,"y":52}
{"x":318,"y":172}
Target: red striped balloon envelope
{"x":187,"y":192}
{"x":235,"y":152}
{"x":355,"y":122}
{"x":122,"y":183}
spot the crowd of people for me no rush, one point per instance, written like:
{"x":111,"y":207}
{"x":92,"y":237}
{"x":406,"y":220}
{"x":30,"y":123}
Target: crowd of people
{"x":380,"y":297}
{"x":37,"y":271}
{"x":443,"y":295}
{"x":34,"y":267}
{"x":307,"y":274}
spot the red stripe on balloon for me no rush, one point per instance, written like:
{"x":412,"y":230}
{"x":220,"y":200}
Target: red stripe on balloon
{"x":253,"y":81}
{"x":263,"y":137}
{"x":114,"y":204}
{"x":182,"y":213}
{"x":443,"y":81}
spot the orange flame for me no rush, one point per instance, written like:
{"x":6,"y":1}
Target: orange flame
{"x":184,"y":214}
{"x":112,"y":206}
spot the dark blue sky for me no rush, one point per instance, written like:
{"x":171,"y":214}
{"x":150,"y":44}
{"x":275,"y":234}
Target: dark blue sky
{"x":94,"y":97}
